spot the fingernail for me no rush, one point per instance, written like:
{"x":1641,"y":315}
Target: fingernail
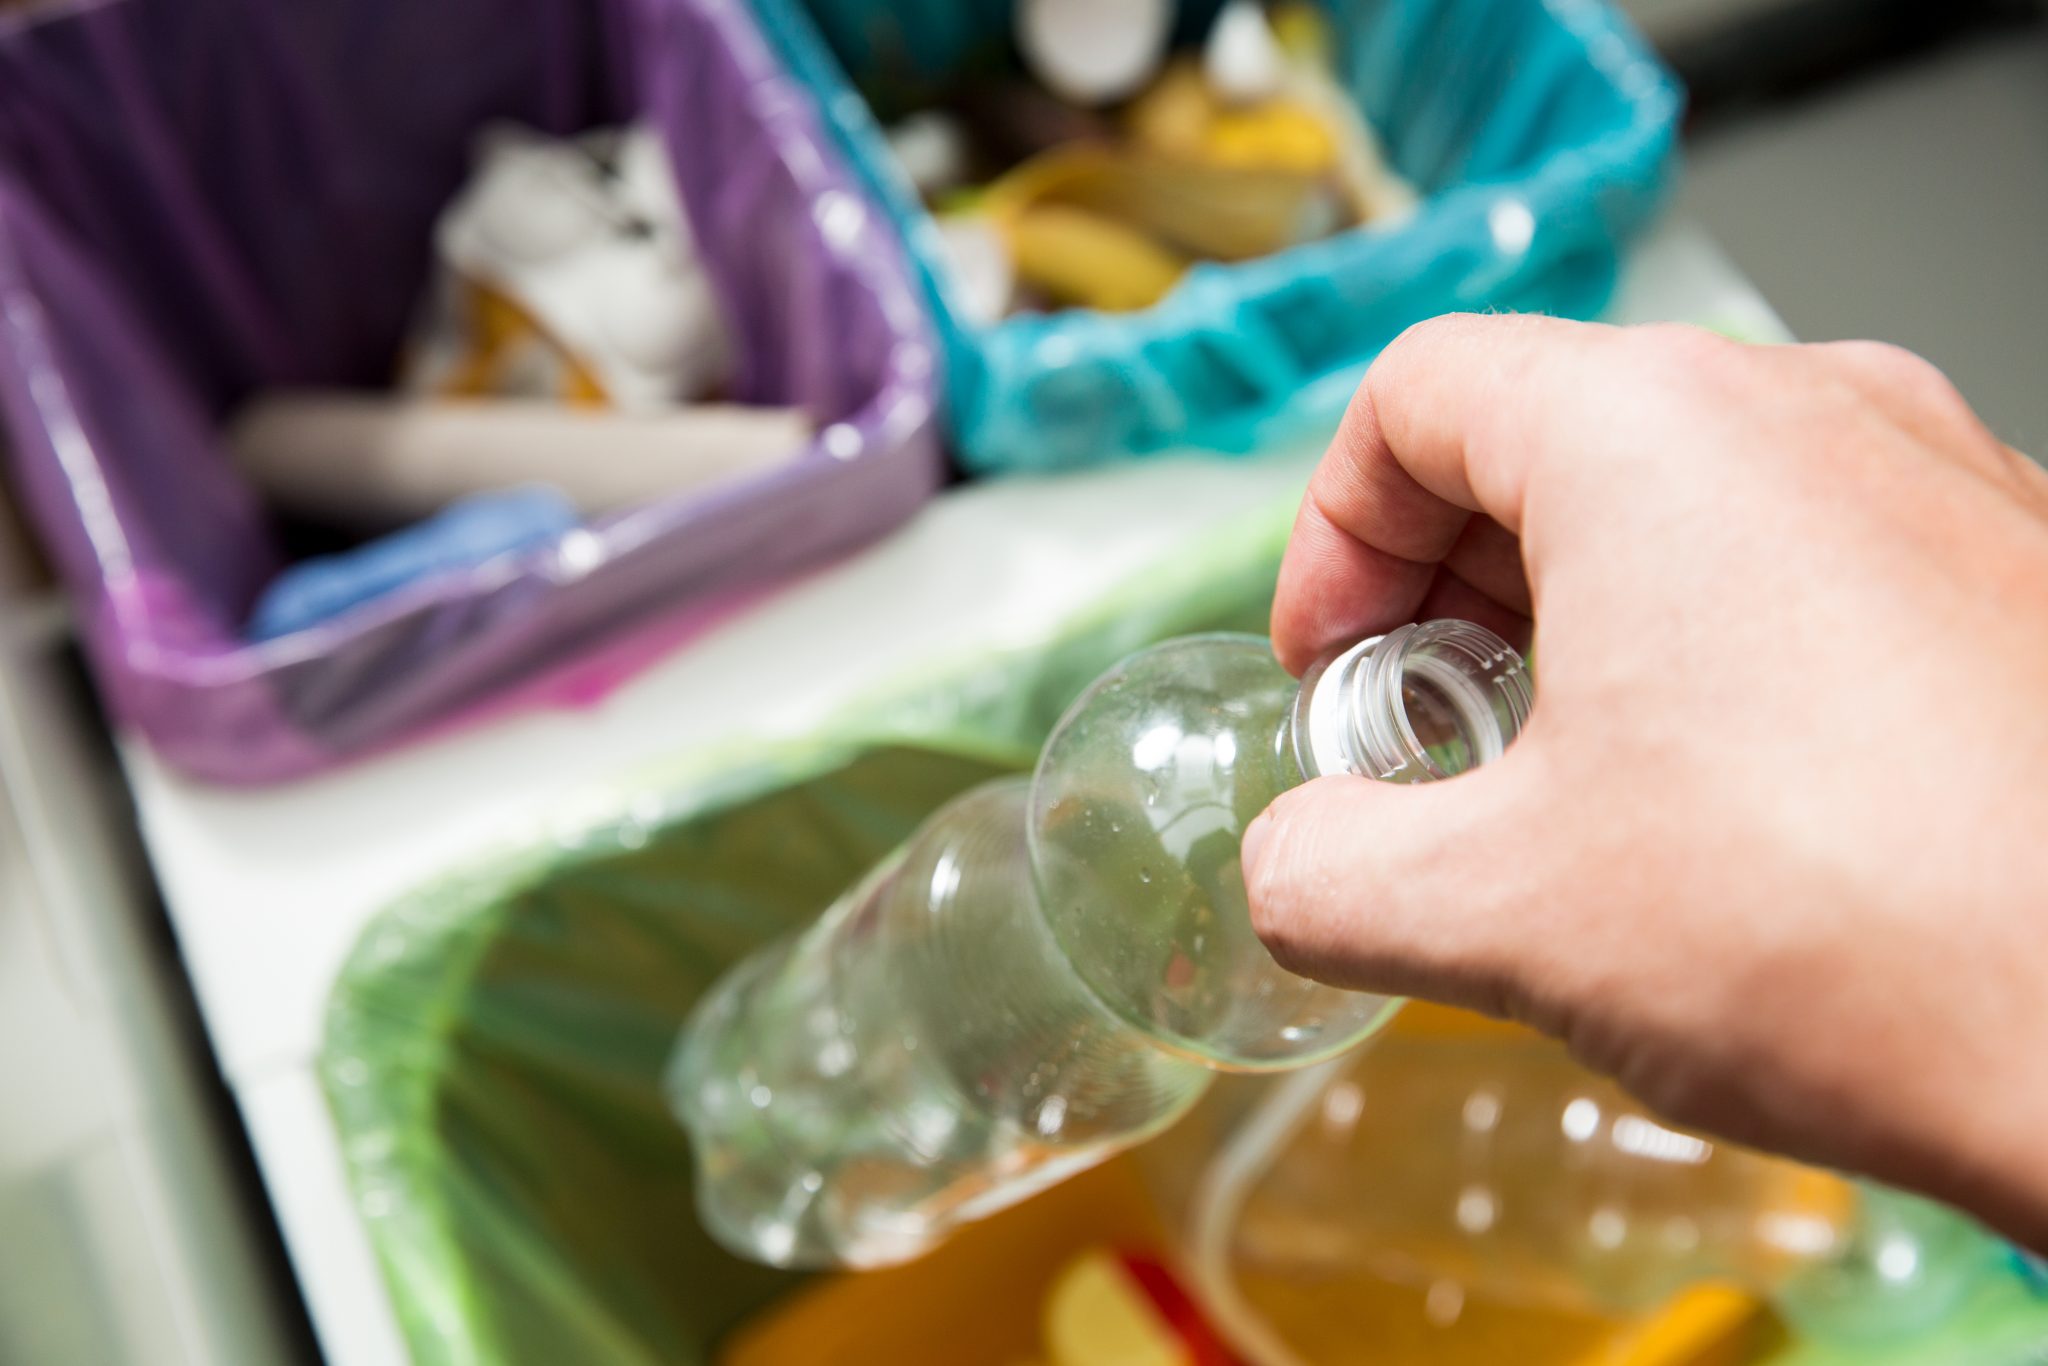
{"x":1256,"y":836}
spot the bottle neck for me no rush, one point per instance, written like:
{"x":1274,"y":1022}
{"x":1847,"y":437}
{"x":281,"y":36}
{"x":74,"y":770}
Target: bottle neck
{"x":1415,"y":705}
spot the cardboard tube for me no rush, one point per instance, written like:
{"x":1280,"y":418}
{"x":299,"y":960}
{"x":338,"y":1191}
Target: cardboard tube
{"x":374,"y":460}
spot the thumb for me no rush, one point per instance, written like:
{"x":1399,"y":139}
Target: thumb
{"x":1419,"y":890}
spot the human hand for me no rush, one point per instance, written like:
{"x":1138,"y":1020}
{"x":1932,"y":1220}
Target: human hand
{"x":1773,"y":847}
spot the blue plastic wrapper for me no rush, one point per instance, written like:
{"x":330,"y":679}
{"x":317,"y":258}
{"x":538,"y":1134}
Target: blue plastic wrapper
{"x":203,"y":198}
{"x":463,"y":535}
{"x":1539,"y":131}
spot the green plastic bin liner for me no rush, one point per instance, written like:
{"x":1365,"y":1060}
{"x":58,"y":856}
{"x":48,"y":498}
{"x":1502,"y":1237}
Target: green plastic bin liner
{"x":495,"y":1044}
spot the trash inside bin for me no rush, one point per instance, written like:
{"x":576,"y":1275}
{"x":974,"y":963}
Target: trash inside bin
{"x":1538,"y":137}
{"x":205,"y":200}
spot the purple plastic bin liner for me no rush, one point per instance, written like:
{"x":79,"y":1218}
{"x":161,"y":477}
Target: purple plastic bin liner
{"x":199,"y":198}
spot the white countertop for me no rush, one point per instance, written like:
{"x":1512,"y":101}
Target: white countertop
{"x":268,"y":889}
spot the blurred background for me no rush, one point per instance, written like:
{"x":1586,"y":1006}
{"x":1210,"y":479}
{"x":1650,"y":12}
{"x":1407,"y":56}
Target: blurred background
{"x":1836,"y":150}
{"x":214,"y":1132}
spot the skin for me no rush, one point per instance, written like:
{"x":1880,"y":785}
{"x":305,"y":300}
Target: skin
{"x":1773,"y":848}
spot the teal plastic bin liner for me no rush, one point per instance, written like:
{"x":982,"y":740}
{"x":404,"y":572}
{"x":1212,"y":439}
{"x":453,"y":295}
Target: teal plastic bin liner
{"x":1540,"y":133}
{"x":496,"y":1043}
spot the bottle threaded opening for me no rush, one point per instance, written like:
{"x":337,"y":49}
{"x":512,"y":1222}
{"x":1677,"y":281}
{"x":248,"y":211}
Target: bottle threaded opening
{"x":1419,"y":704}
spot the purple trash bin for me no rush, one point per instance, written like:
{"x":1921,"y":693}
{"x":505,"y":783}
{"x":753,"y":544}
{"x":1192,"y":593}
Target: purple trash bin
{"x":201,"y":198}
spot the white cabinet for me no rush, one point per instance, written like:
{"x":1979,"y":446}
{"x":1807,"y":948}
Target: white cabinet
{"x":126,"y":1237}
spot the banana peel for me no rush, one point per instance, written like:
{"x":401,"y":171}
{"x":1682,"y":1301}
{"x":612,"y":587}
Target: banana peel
{"x":1079,"y":258}
{"x":1198,"y":210}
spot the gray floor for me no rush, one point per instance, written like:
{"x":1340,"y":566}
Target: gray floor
{"x":1912,"y":206}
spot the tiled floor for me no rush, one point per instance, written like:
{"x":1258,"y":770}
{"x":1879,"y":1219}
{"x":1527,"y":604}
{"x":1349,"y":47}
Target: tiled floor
{"x":1910,"y":205}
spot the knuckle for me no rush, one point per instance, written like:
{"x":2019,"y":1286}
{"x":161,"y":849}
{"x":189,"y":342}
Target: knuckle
{"x":1686,"y":348}
{"x":1430,"y":330}
{"x":1286,"y":893}
{"x":1897,"y":370}
{"x":1876,"y":359}
{"x":1284,"y":932}
{"x":1433,"y":337}
{"x":1270,"y":890}
{"x":1683,"y":368}
{"x":1270,"y":919}
{"x":1290,"y":953}
{"x":1416,"y":337}
{"x":1339,"y":479}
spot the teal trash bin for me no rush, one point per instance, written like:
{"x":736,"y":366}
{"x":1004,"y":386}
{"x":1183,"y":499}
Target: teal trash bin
{"x":1539,"y":133}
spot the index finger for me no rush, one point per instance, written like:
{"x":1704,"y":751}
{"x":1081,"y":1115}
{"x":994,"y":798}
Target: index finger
{"x":1428,"y":441}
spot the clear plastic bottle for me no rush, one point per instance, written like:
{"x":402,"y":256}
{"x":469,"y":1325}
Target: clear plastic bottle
{"x":1488,"y":1165}
{"x":1048,"y":972}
